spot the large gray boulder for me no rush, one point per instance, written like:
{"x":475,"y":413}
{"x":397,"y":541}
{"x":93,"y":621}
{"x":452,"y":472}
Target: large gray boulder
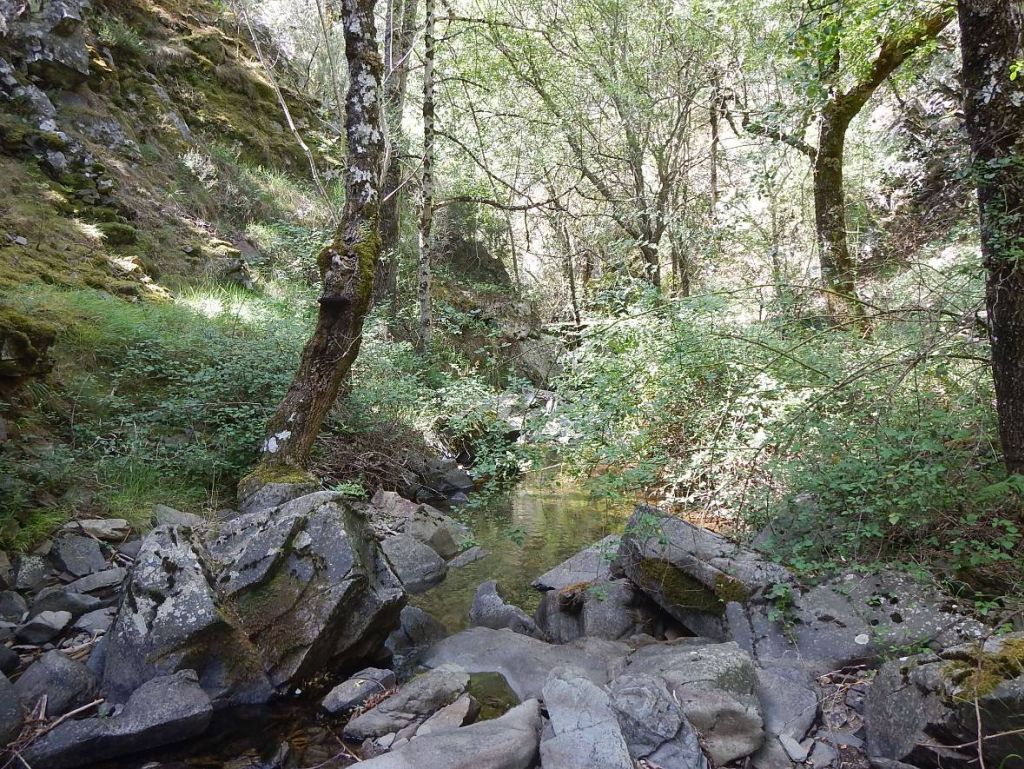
{"x":508,"y":742}
{"x":612,"y":609}
{"x":489,"y":609}
{"x":691,"y":572}
{"x":417,"y":631}
{"x":417,"y":565}
{"x":412,"y":704}
{"x":162,"y":711}
{"x":849,"y":619}
{"x":11,"y":716}
{"x":78,"y":555}
{"x":653,"y":723}
{"x":67,"y":684}
{"x":425,"y":523}
{"x":716,"y":686}
{"x":593,"y":564}
{"x":925,"y":710}
{"x":270,"y":600}
{"x":585,"y":732}
{"x":354,"y":691}
{"x":525,"y":662}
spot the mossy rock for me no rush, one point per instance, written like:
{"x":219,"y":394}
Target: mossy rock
{"x":678,"y":589}
{"x":118,"y":234}
{"x":978,"y":673}
{"x":24,"y":343}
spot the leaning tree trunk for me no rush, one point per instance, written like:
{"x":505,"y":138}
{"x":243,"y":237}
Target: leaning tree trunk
{"x":992,"y":39}
{"x":347,"y":265}
{"x":837,"y":270}
{"x":427,"y":184}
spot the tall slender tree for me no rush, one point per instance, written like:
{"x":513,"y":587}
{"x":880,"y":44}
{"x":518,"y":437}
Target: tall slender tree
{"x":992,"y":39}
{"x":427,"y":183}
{"x":347,"y":265}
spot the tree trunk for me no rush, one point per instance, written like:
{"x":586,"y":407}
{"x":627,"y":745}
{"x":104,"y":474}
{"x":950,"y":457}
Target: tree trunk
{"x":992,"y":39}
{"x":837,"y":270}
{"x":713,"y":117}
{"x":651,"y":262}
{"x":399,"y":39}
{"x":427,"y":185}
{"x":347,"y":265}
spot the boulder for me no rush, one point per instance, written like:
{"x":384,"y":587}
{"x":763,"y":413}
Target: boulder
{"x":472,"y":555}
{"x":107,"y":529}
{"x":417,"y":631}
{"x":525,"y":662}
{"x":850,"y":619}
{"x":789,"y":706}
{"x":162,"y":711}
{"x":594,"y":564}
{"x":98,"y":581}
{"x":691,"y":572}
{"x":9,"y":660}
{"x":418,"y":567}
{"x":508,"y":742}
{"x":653,"y":723}
{"x":463,"y":711}
{"x":716,"y":686}
{"x":270,"y":600}
{"x":75,"y":604}
{"x":611,"y":610}
{"x":51,"y":40}
{"x":925,"y":710}
{"x":77,"y":555}
{"x":96,"y":622}
{"x":255,"y":494}
{"x":43,"y":627}
{"x":412,"y":704}
{"x":168,"y":516}
{"x":10,"y":712}
{"x":491,"y":610}
{"x":585,"y":732}
{"x":422,"y":522}
{"x":67,"y":684}
{"x":31,"y":573}
{"x":353,"y":692}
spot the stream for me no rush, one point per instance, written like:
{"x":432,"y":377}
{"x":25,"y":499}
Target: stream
{"x":528,"y":531}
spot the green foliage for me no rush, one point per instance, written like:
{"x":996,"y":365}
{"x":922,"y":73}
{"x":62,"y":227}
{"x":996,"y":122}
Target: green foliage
{"x":119,"y":37}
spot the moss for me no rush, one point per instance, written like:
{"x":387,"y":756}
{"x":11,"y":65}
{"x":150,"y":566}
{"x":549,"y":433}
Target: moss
{"x":978,"y":673}
{"x":730,"y":589}
{"x":681,"y":590}
{"x":266,"y":473}
{"x":24,"y":342}
{"x":118,"y":234}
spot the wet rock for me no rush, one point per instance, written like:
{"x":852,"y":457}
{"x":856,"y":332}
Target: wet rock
{"x":168,"y":516}
{"x":107,"y":529}
{"x":43,"y":627}
{"x":918,"y":705}
{"x":418,"y":630}
{"x":10,"y":712}
{"x":585,"y":730}
{"x":352,"y":693}
{"x":508,"y":742}
{"x":691,"y":572}
{"x":653,"y":724}
{"x":31,"y":573}
{"x":412,"y":704}
{"x":716,"y":685}
{"x":418,"y":566}
{"x":162,"y":711}
{"x":525,"y":662}
{"x":272,"y":599}
{"x":101,"y":580}
{"x":491,"y":610}
{"x":65,"y":683}
{"x":12,"y":606}
{"x":74,"y":604}
{"x":472,"y":555}
{"x":594,"y":564}
{"x":78,"y":555}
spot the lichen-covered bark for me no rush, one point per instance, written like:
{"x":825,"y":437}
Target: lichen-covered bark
{"x":992,"y":39}
{"x":347,"y":265}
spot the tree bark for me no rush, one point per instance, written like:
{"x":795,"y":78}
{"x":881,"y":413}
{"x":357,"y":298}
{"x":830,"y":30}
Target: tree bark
{"x":347,"y":265}
{"x":399,"y":39}
{"x":992,"y":40}
{"x":427,"y":184}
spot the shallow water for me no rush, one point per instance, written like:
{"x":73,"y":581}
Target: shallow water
{"x":527,"y":532}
